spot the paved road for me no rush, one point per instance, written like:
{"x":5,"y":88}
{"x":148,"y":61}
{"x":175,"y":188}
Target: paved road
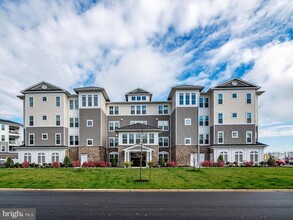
{"x":152,"y":205}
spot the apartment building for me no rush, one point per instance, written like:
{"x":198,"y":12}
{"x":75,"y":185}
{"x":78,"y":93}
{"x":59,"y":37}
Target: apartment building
{"x":11,"y":134}
{"x":87,"y":126}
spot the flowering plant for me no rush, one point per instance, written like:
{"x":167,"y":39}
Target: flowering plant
{"x":25,"y":164}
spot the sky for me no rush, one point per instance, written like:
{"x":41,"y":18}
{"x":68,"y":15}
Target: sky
{"x":122,"y":45}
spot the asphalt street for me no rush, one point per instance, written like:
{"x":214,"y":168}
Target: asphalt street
{"x":152,"y":205}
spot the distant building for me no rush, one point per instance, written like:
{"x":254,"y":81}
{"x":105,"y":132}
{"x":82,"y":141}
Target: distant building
{"x":88,"y":126}
{"x":11,"y":134}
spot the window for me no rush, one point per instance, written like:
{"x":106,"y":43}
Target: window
{"x":234,"y":134}
{"x":204,"y":139}
{"x":140,"y":122}
{"x":124,"y":138}
{"x":163,"y":141}
{"x":201,"y":139}
{"x":163,"y":109}
{"x":113,"y":125}
{"x":44,"y":136}
{"x":58,"y":139}
{"x":164,"y":125}
{"x":181,"y":98}
{"x":151,"y":138}
{"x":73,"y":140}
{"x":187,"y":98}
{"x":203,"y":120}
{"x":89,"y":100}
{"x":248,"y":98}
{"x":3,"y":148}
{"x":89,"y":142}
{"x":220,"y":118}
{"x":187,"y":141}
{"x":113,"y":141}
{"x":76,"y":104}
{"x":234,"y":115}
{"x":58,"y":122}
{"x":138,"y":98}
{"x":138,"y":109}
{"x":89,"y":123}
{"x":248,"y":117}
{"x":76,"y":122}
{"x":220,"y":137}
{"x":31,"y":120}
{"x":193,"y":98}
{"x":220,"y":99}
{"x":44,"y":98}
{"x":248,"y":137}
{"x":143,"y":98}
{"x":3,"y":127}
{"x":201,"y":102}
{"x":187,"y":121}
{"x":31,"y":139}
{"x":27,"y":157}
{"x":133,"y":98}
{"x":58,"y":101}
{"x":76,"y":140}
{"x":45,"y":117}
{"x":95,"y":100}
{"x":71,"y":122}
{"x":206,"y":102}
{"x":83,"y":98}
{"x":71,"y":104}
{"x":137,"y":138}
{"x":114,"y":158}
{"x":131,"y":138}
{"x":207,"y":139}
{"x":41,"y":157}
{"x":234,"y":95}
{"x":238,"y":156}
{"x":206,"y":121}
{"x":133,"y":110}
{"x":164,"y":155}
{"x":2,"y":137}
{"x":31,"y":102}
{"x":55,"y":157}
{"x":143,"y":109}
{"x":254,"y":156}
{"x":113,"y":110}
{"x":225,"y":155}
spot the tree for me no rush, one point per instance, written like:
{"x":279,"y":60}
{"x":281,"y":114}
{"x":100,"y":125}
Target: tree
{"x":271,"y":161}
{"x":66,"y":162}
{"x":220,"y":158}
{"x":114,"y":162}
{"x":150,"y":164}
{"x":129,"y":164}
{"x":9,"y":162}
{"x":161,"y":161}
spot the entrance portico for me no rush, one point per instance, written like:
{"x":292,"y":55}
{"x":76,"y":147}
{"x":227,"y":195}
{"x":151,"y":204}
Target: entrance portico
{"x":133,"y":154}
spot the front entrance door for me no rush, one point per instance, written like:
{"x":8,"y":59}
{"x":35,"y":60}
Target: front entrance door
{"x":135,"y":158}
{"x":83,"y":158}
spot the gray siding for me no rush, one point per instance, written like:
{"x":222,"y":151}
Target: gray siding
{"x":241,"y":133}
{"x":212,"y":135}
{"x":189,"y":131}
{"x":173,"y":128}
{"x":90,"y":132}
{"x":104,"y":129}
{"x":51,"y":131}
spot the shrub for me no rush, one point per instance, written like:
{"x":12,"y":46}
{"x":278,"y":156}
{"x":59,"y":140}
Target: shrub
{"x":248,"y":164}
{"x":161,"y":161}
{"x":263,"y":163}
{"x":114,"y":162}
{"x":171,"y":164}
{"x":220,"y":158}
{"x":9,"y":162}
{"x":128,"y":164}
{"x":55,"y":164}
{"x":25,"y":164}
{"x":17,"y":165}
{"x":271,"y":162}
{"x":66,"y":162}
{"x":103,"y":164}
{"x":221,"y":163}
{"x":207,"y":163}
{"x":75,"y":164}
{"x":236,"y":164}
{"x":85,"y":164}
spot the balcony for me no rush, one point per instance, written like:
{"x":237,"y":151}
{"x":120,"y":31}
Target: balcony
{"x":14,"y":133}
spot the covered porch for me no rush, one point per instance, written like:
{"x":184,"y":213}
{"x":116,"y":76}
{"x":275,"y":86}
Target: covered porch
{"x":133,"y":154}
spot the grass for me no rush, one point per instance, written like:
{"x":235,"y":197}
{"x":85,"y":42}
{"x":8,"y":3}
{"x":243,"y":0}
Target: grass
{"x":162,"y":178}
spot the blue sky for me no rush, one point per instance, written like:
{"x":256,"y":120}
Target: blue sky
{"x":121,"y":45}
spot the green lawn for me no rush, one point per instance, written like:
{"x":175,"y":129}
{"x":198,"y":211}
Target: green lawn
{"x":162,"y":178}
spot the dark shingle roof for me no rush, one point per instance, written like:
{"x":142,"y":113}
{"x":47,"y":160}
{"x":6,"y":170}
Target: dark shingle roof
{"x":10,"y":122}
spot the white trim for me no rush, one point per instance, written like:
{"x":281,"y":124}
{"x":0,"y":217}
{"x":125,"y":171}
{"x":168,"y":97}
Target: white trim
{"x":235,"y":133}
{"x":44,"y":139}
{"x":33,"y":134}
{"x":187,"y":121}
{"x":87,"y":123}
{"x":56,"y":138}
{"x":220,"y":132}
{"x":248,"y":132}
{"x":233,"y":115}
{"x":87,"y":142}
{"x":185,"y":139}
{"x":46,"y":117}
{"x":44,"y":97}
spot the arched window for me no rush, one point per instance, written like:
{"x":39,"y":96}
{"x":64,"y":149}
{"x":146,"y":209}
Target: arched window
{"x":55,"y":157}
{"x":41,"y":157}
{"x":225,"y":155}
{"x":113,"y":158}
{"x":254,"y":156}
{"x":27,"y":157}
{"x":164,"y":155}
{"x":239,"y":156}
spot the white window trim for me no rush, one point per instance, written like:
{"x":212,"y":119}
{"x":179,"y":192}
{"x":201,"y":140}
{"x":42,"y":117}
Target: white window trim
{"x":185,"y":139}
{"x":236,"y":115}
{"x":222,"y":118}
{"x":187,"y":121}
{"x":232,"y":134}
{"x":59,"y":101}
{"x":114,"y":122}
{"x":247,"y":136}
{"x":87,"y":123}
{"x":232,"y":96}
{"x":56,"y":138}
{"x":3,"y":148}
{"x":163,"y":140}
{"x":32,"y":102}
{"x":29,"y":142}
{"x":46,"y":117}
{"x":44,"y":139}
{"x":219,"y":132}
{"x":87,"y":142}
{"x":43,"y":98}
{"x":114,"y":138}
{"x":164,"y":125}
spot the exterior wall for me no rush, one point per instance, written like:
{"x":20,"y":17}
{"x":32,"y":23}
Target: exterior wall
{"x":51,"y":131}
{"x":173,"y":128}
{"x":227,"y":129}
{"x":90,"y":132}
{"x":94,"y":153}
{"x":73,"y":153}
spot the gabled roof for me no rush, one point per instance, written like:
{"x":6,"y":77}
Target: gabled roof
{"x":236,"y":83}
{"x":93,"y":89}
{"x":44,"y":87}
{"x":184,"y":87}
{"x":138,"y":127}
{"x":138,"y":91}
